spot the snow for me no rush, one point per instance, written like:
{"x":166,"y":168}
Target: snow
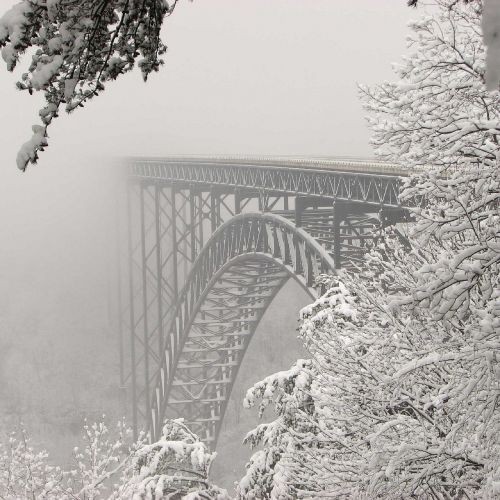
{"x":177,"y":464}
{"x":400,"y":396}
{"x":12,"y":26}
{"x":45,"y":71}
{"x":28,"y":151}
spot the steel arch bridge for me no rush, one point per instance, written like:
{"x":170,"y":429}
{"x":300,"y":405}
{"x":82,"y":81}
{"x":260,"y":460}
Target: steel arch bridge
{"x":210,"y":242}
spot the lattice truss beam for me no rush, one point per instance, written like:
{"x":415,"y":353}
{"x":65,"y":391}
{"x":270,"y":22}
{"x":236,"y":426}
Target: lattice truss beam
{"x":380,"y":189}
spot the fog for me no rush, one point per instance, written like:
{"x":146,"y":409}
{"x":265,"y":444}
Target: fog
{"x":260,"y":78}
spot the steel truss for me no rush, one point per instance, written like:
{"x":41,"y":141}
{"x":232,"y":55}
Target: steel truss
{"x":380,"y":189}
{"x":166,"y":230}
{"x":206,"y":252}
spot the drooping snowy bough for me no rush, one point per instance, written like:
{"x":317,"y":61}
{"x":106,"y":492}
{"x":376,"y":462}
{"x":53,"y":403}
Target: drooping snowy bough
{"x":77,"y":46}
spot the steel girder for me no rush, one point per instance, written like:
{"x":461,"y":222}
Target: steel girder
{"x":375,"y":188}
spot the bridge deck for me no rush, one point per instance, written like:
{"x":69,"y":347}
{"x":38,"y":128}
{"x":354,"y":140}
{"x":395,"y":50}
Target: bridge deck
{"x":339,"y":164}
{"x":347,"y":179}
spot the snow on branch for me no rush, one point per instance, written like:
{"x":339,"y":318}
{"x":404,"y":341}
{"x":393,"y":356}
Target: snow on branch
{"x":78,"y":47}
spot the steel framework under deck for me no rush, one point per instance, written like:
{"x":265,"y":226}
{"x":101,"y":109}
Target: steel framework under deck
{"x":209,"y":243}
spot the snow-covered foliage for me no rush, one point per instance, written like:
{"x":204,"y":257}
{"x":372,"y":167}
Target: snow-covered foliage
{"x":408,"y":403}
{"x":26,"y":473}
{"x":175,"y":466}
{"x":109,"y":465}
{"x":270,"y":472}
{"x":78,"y":46}
{"x":398,"y":404}
{"x":405,"y":354}
{"x":440,"y":116}
{"x":438,"y":112}
{"x":100,"y":460}
{"x":491,"y":38}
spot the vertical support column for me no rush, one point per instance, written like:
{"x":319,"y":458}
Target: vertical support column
{"x":175,"y":275}
{"x":159,"y":267}
{"x":337,"y":219}
{"x":200,"y":219}
{"x":119,"y":311}
{"x":218,"y":206}
{"x":145,"y":303}
{"x":184,"y":241}
{"x":192,"y":222}
{"x":299,"y":208}
{"x":237,"y":201}
{"x":214,"y":210}
{"x":132,"y":315}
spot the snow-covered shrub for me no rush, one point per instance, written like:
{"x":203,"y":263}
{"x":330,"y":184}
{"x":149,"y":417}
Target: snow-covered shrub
{"x":26,"y":473}
{"x":440,"y":119}
{"x":407,"y":404}
{"x":398,"y":404}
{"x":111,"y":466}
{"x":176,"y":466}
{"x":101,"y":460}
{"x":270,"y":470}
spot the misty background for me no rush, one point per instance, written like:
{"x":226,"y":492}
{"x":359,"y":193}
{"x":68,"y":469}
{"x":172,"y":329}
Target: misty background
{"x":257,"y":78}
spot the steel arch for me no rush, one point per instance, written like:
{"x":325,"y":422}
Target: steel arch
{"x":233,"y":280}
